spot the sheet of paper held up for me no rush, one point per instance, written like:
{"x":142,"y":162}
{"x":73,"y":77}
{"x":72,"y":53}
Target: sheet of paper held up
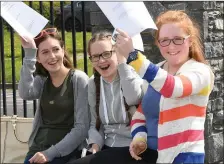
{"x":136,"y":40}
{"x":23,"y":19}
{"x":132,"y":17}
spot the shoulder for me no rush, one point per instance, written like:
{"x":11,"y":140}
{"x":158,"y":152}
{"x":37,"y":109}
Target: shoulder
{"x":196,"y":66}
{"x":80,"y":74}
{"x":80,"y":77}
{"x":161,"y":63}
{"x":91,"y":82}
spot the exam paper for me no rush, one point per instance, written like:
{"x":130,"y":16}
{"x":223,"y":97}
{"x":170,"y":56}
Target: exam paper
{"x":23,"y":19}
{"x":136,"y":40}
{"x":132,"y":17}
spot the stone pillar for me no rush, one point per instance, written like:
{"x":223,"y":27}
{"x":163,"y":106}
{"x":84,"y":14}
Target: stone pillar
{"x":213,"y":42}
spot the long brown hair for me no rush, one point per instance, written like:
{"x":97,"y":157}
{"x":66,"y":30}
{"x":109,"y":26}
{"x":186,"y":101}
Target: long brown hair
{"x":189,"y":26}
{"x":40,"y":70}
{"x":99,"y":36}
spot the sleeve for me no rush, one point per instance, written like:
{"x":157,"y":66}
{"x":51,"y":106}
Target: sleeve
{"x":29,"y":87}
{"x":130,"y":79}
{"x":95,"y":136}
{"x":138,"y":126}
{"x":79,"y":132}
{"x":196,"y":79}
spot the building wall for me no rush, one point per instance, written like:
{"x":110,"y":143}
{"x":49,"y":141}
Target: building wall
{"x":209,"y":16}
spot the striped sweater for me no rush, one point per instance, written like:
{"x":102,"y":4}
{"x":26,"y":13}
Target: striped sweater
{"x":172,"y":114}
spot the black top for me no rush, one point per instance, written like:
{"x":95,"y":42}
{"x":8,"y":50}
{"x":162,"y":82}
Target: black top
{"x":57,"y":111}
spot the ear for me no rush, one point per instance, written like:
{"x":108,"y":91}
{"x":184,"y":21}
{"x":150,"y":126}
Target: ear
{"x":38,"y":59}
{"x":63,"y":50}
{"x":190,"y":41}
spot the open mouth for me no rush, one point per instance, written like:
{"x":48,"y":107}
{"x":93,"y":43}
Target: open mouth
{"x":53,"y":62}
{"x":173,"y":53}
{"x":104,"y":67}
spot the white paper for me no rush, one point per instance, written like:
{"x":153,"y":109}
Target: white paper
{"x":23,"y":19}
{"x":137,"y":42}
{"x":132,"y":17}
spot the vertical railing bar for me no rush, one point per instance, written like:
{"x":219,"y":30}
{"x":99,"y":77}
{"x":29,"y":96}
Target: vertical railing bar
{"x":3,"y":67}
{"x":62,"y":20}
{"x":41,"y":7}
{"x":51,"y":13}
{"x":73,"y":34}
{"x":13,"y":71}
{"x":84,"y":37}
{"x":24,"y":101}
{"x":34,"y":101}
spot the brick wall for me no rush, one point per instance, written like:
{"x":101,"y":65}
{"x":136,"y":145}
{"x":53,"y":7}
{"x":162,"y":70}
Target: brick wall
{"x":209,"y":16}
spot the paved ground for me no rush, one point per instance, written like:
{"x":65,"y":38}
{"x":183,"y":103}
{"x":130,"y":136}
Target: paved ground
{"x":19,"y":103}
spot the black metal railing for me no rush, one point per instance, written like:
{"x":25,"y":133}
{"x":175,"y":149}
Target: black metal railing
{"x":6,"y":109}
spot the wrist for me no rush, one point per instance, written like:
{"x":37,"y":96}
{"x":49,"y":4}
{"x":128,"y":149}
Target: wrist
{"x":132,"y":56}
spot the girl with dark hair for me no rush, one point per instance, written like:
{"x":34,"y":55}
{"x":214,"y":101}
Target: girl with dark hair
{"x":61,"y":121}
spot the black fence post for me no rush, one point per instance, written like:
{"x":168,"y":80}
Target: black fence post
{"x":3,"y":68}
{"x":73,"y":34}
{"x":13,"y":71}
{"x":84,"y":37}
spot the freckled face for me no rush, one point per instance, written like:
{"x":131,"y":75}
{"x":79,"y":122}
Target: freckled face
{"x":175,"y":54}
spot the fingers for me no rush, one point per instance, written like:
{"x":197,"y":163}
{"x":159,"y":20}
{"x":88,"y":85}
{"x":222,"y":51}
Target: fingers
{"x":133,"y":154}
{"x":94,"y":151}
{"x":122,"y":33}
{"x":38,"y":158}
{"x":133,"y":151}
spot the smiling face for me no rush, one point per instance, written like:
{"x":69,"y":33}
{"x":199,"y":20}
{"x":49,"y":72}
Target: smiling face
{"x":175,"y":55}
{"x":107,"y":68}
{"x":50,"y":55}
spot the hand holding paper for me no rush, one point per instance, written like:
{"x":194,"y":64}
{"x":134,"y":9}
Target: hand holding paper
{"x":27,"y":42}
{"x":124,"y":45}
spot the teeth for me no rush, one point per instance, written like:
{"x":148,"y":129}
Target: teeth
{"x":53,"y":62}
{"x":104,"y":66}
{"x":173,"y":53}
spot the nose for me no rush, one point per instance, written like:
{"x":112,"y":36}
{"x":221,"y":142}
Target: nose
{"x":51,"y":54}
{"x":101,"y":60}
{"x":172,"y":45}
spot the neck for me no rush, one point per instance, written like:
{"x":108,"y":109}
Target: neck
{"x":110,"y":78}
{"x":59,"y":76}
{"x":172,"y":69}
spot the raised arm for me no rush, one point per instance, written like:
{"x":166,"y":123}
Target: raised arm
{"x":30,"y":87}
{"x":131,"y":84}
{"x":196,"y":79}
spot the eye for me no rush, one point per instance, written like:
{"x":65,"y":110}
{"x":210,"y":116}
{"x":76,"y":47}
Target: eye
{"x":163,"y":40}
{"x":44,"y":52}
{"x":56,"y":49}
{"x":178,"y":38}
{"x":106,"y":54}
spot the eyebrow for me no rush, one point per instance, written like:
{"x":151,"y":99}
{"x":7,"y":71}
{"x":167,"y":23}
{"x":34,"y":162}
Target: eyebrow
{"x":101,"y":53}
{"x":47,"y":49}
{"x":168,"y":37}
